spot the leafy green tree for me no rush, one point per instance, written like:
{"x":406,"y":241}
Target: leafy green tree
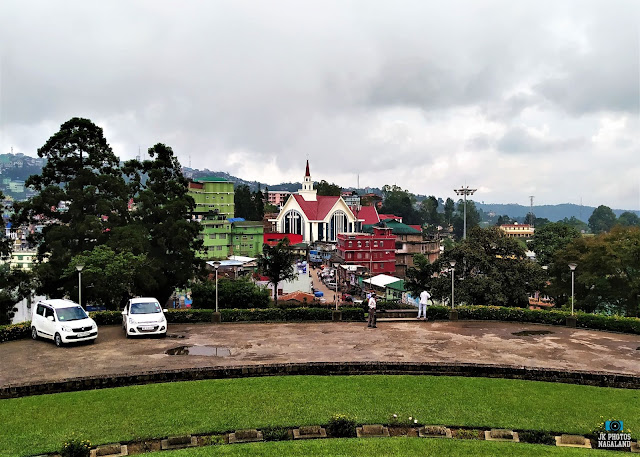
{"x":243,"y":201}
{"x":541,"y":222}
{"x":576,"y":223}
{"x":530,"y":218}
{"x":628,"y":219}
{"x":491,"y":268}
{"x":504,"y":220}
{"x":324,"y":188}
{"x":258,"y":202}
{"x":277,"y":264}
{"x":429,"y":210}
{"x":551,"y":238}
{"x":239,"y":294}
{"x":473,"y":218}
{"x":108,"y":276}
{"x":400,"y":203}
{"x":16,"y":285}
{"x":5,"y":242}
{"x":422,"y":275}
{"x":602,"y":220}
{"x":449,"y":209}
{"x":162,"y":215}
{"x":607,"y":277}
{"x":82,"y":171}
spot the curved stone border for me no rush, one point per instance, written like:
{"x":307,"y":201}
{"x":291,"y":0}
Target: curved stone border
{"x":590,"y":378}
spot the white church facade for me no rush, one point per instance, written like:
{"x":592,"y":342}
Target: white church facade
{"x":315,"y":217}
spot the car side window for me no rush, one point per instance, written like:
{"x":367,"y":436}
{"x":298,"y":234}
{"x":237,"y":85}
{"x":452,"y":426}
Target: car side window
{"x":48,"y":312}
{"x":40,"y":310}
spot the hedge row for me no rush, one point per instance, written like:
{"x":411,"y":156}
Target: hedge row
{"x":495,"y":313}
{"x":15,"y":331}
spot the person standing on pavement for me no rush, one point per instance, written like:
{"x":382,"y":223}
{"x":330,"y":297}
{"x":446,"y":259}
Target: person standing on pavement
{"x":372,"y":311}
{"x":422,"y":305}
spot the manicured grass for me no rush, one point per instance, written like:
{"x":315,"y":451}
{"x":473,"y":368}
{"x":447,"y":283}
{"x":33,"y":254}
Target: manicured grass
{"x":388,"y":447}
{"x":33,"y":425}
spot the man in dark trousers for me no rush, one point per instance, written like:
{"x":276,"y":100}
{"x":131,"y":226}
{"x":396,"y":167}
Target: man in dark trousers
{"x":372,"y":311}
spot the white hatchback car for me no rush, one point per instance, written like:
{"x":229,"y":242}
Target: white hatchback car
{"x":144,"y":316}
{"x":62,"y":321}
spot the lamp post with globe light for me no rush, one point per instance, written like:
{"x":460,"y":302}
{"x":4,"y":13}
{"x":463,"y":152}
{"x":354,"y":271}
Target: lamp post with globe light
{"x":571,"y":320}
{"x":216,"y":316}
{"x":79,"y":267}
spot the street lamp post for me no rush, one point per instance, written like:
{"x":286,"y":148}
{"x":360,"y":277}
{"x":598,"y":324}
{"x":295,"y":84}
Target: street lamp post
{"x":453,"y":269}
{"x":216,"y":316}
{"x":453,"y":314}
{"x":464,"y":191}
{"x":572,"y":267}
{"x":79,"y":267}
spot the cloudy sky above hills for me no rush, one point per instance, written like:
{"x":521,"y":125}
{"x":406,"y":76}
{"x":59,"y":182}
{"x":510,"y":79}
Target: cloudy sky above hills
{"x":514,"y":98}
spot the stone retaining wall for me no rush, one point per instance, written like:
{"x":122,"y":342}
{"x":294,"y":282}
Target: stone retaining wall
{"x":325,"y":369}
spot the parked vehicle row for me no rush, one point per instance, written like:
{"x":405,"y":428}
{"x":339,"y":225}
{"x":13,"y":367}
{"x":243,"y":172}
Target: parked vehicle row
{"x":64,"y":321}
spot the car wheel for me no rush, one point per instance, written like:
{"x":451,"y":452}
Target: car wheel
{"x":34,"y":333}
{"x":126,"y":333}
{"x":58,"y":340}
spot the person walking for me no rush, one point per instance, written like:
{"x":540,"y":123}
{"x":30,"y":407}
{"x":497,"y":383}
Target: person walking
{"x":372,"y":311}
{"x":422,"y":305}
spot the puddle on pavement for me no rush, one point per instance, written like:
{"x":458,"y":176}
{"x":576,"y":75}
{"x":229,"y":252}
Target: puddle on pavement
{"x":211,"y":351}
{"x":532,"y":332}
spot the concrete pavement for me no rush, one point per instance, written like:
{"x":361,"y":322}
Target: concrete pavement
{"x":481,"y":342}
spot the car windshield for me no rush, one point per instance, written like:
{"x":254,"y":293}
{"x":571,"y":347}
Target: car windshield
{"x":74,"y":313}
{"x":145,"y":308}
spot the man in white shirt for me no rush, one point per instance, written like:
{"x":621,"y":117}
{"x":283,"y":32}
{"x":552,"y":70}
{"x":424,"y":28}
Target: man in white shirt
{"x":372,"y":311}
{"x":422,"y":305}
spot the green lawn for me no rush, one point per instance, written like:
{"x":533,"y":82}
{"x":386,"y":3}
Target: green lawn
{"x":386,"y":446}
{"x":33,"y":425}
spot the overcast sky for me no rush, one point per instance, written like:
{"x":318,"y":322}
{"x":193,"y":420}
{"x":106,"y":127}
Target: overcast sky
{"x":514,"y":98}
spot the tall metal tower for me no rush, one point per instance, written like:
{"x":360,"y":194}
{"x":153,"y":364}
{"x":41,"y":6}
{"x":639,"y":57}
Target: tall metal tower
{"x":531,"y":210}
{"x":464,"y":191}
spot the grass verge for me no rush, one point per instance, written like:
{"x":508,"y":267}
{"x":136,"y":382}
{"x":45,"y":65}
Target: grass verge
{"x":386,"y":447}
{"x":33,"y":425}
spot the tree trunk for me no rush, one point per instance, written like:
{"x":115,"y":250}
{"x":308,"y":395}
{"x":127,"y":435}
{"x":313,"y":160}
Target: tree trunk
{"x":275,"y":294}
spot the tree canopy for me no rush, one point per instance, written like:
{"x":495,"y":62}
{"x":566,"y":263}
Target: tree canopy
{"x":277,"y":264}
{"x":248,"y":205}
{"x":550,"y":238}
{"x":324,"y":188}
{"x":602,"y":219}
{"x":607,"y":277}
{"x":491,"y":269}
{"x":401,"y":203}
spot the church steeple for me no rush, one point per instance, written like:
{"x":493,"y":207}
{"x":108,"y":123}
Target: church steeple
{"x":307,"y":192}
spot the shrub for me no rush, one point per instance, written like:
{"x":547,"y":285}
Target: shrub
{"x":15,"y":331}
{"x":188,"y":316}
{"x":342,"y":426}
{"x":275,"y":434}
{"x":107,"y":317}
{"x":352,"y":314}
{"x":466,"y":434}
{"x":76,"y":447}
{"x":537,"y":437}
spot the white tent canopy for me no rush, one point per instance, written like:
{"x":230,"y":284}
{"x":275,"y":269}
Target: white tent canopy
{"x":381,"y":280}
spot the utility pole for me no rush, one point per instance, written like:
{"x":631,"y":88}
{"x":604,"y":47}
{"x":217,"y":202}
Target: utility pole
{"x":464,"y":191}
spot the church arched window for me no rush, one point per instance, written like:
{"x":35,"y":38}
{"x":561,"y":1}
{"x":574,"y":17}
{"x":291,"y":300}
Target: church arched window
{"x":292,"y":223}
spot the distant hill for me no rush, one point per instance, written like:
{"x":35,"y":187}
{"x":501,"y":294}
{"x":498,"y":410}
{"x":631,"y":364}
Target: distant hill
{"x":15,"y":168}
{"x":552,"y":212}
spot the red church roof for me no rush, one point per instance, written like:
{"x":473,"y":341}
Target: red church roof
{"x":316,"y":210}
{"x":368,"y":213}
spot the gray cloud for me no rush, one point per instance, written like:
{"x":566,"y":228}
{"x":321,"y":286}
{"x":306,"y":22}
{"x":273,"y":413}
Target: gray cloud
{"x":395,"y":93}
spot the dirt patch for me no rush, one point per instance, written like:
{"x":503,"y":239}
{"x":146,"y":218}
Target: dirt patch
{"x":402,"y":431}
{"x":532,"y":332}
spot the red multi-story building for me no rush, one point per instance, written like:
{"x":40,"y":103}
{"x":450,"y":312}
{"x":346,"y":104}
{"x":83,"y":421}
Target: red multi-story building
{"x":376,"y":252}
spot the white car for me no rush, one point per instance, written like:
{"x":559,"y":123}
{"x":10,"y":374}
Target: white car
{"x":62,"y":321}
{"x":144,"y":316}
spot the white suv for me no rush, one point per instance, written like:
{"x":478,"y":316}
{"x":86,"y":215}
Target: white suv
{"x":63,"y":321}
{"x":144,"y":316}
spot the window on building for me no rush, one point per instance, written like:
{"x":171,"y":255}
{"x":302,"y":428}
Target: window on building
{"x":359,"y":244}
{"x":375,"y":244}
{"x":366,"y":244}
{"x":218,"y":248}
{"x":381,"y":265}
{"x":359,"y":256}
{"x":350,"y":243}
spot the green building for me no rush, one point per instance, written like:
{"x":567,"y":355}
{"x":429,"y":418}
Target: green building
{"x":247,"y":237}
{"x":214,"y":205}
{"x":222,"y":234}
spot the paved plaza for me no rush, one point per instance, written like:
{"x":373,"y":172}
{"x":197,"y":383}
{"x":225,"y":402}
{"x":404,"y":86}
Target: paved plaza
{"x":493,"y":343}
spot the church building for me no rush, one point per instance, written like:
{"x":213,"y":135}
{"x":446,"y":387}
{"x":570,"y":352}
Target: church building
{"x":315,"y":217}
